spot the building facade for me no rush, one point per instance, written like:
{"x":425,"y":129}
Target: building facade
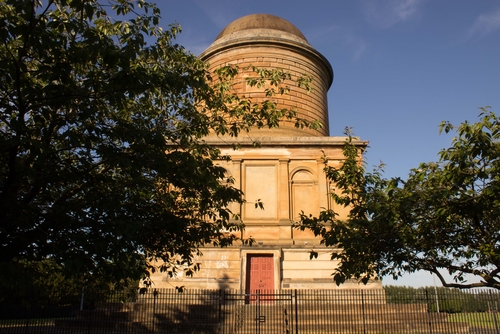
{"x":285,"y":173}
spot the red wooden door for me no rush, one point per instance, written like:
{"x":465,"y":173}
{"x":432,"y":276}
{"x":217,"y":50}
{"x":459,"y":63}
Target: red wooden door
{"x":260,"y":272}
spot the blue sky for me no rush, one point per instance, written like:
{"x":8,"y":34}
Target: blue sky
{"x":400,"y":66}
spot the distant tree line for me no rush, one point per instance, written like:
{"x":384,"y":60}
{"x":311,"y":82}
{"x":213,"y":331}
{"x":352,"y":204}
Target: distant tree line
{"x":448,"y":300}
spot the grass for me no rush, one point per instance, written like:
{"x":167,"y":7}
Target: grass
{"x":481,"y":319}
{"x":31,"y":322}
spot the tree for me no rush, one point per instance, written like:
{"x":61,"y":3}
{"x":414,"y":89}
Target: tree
{"x":443,"y":218}
{"x":103,"y":167}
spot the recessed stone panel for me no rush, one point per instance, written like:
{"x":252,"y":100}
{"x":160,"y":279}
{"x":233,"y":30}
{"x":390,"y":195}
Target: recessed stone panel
{"x":260,"y":185}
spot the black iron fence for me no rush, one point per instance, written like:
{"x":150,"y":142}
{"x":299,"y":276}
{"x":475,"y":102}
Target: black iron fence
{"x":390,"y":310}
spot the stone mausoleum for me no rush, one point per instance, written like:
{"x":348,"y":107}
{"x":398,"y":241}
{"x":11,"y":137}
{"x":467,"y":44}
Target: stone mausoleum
{"x":285,"y":173}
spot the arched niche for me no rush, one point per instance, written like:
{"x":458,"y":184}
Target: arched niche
{"x":304,"y":193}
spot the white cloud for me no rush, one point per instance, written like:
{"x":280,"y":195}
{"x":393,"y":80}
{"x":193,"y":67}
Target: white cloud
{"x":317,"y":35}
{"x":386,"y":13}
{"x":202,"y":33}
{"x":356,"y":45}
{"x":345,"y":37}
{"x":221,"y":13}
{"x":485,"y":24}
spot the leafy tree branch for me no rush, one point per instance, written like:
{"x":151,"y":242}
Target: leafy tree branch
{"x":443,"y":218}
{"x":103,"y":166}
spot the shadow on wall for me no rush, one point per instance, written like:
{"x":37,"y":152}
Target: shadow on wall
{"x":189,"y":310}
{"x":224,"y":282}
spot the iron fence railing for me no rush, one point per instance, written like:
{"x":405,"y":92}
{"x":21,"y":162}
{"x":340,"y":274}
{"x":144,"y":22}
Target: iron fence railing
{"x":391,"y":310}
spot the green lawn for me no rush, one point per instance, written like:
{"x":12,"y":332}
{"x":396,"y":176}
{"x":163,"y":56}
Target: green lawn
{"x":31,"y":322}
{"x":482,"y":319}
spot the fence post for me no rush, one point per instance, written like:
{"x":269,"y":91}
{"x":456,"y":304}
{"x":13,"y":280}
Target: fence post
{"x":363,"y":311}
{"x":428,"y":310}
{"x":155,"y":295}
{"x":257,"y":313}
{"x":82,"y":298}
{"x":296,"y":313}
{"x":436,"y":293}
{"x":220,"y":311}
{"x":494,"y":311}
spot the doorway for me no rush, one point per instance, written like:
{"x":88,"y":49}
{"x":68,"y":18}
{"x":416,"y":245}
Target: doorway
{"x":259,"y":273}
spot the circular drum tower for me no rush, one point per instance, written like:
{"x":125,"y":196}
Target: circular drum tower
{"x":270,"y":42}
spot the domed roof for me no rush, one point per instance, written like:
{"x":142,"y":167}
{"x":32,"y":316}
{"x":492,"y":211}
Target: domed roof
{"x":261,"y":21}
{"x":268,"y":41}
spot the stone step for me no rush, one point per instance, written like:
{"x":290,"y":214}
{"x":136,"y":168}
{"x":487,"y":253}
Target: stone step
{"x":313,"y":321}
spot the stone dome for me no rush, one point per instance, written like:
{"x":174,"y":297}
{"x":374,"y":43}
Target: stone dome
{"x":261,"y":21}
